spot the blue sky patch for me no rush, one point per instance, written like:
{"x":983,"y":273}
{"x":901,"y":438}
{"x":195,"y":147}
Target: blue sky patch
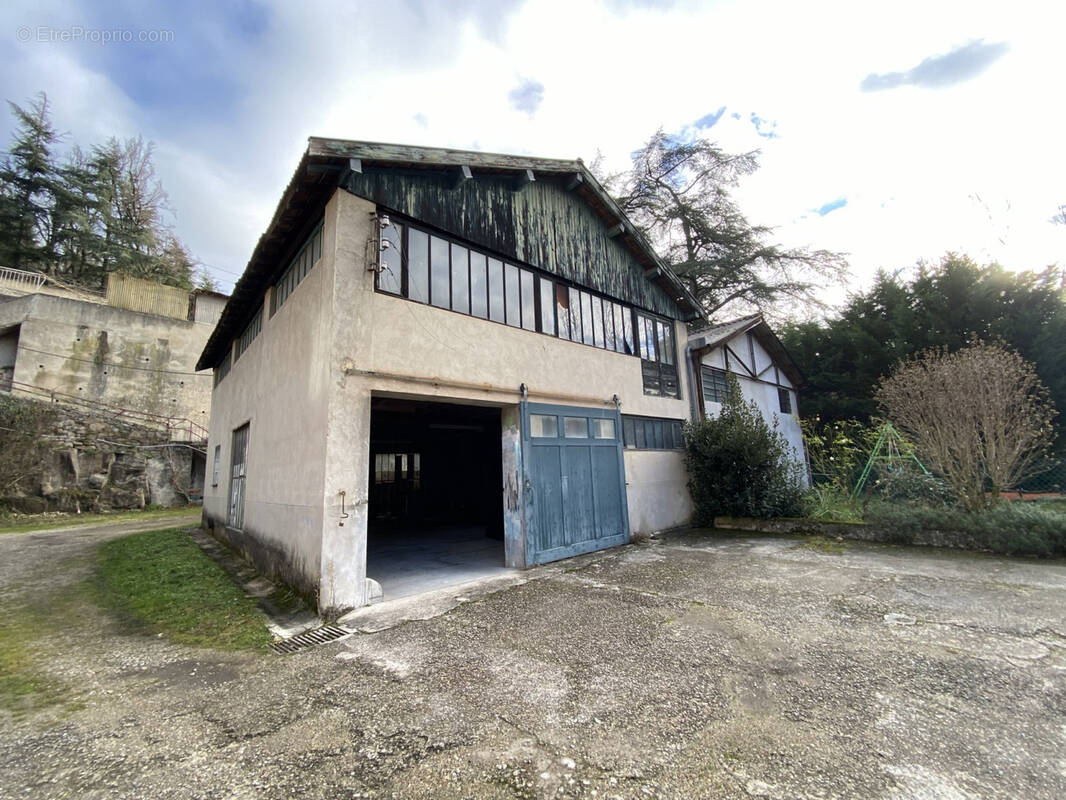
{"x":764,"y":127}
{"x":709,"y":120}
{"x":527,"y":96}
{"x":831,"y":206}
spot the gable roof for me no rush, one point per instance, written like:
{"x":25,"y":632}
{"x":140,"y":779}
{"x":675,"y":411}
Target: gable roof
{"x":706,"y":339}
{"x":328,"y":163}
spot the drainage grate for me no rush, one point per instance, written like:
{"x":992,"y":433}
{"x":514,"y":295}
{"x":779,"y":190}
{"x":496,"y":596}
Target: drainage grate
{"x":301,"y":641}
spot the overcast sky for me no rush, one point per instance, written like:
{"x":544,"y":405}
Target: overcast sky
{"x":891,"y":131}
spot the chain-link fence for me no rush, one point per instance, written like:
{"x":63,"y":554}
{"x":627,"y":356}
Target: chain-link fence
{"x":1051,"y":479}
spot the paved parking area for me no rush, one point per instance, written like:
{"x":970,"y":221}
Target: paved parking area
{"x":695,"y":666}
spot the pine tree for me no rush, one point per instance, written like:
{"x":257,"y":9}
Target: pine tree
{"x":27,"y":188}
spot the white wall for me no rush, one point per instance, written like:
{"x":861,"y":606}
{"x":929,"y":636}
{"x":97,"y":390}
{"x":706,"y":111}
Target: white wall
{"x":306,"y":383}
{"x":279,"y":386}
{"x":762,"y":389}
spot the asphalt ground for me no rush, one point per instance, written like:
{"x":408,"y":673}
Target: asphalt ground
{"x":698,"y":665}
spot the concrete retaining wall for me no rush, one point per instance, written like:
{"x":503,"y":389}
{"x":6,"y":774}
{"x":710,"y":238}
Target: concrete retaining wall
{"x":859,"y":531}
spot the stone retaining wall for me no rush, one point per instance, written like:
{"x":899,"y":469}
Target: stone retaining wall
{"x":74,"y":461}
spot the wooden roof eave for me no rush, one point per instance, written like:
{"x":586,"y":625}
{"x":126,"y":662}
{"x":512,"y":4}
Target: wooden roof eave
{"x":767,"y":338}
{"x":316,"y":178}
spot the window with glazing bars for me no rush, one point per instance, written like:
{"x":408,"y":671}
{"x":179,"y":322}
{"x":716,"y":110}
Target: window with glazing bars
{"x":715,"y":384}
{"x":432,"y":269}
{"x":306,"y":257}
{"x":658,"y":356}
{"x":251,"y":330}
{"x":238,"y":473}
{"x":652,"y":433}
{"x":222,"y":370}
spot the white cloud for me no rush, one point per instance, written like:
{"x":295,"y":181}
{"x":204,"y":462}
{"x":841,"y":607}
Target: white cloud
{"x":908,"y":160}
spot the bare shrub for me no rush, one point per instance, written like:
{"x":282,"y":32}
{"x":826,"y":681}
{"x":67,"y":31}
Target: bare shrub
{"x":980,"y":416}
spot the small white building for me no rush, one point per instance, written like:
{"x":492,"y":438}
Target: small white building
{"x":440,"y":359}
{"x":750,"y":350}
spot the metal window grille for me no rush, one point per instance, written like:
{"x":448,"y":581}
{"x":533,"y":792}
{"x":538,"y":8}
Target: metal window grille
{"x":652,"y":433}
{"x":238,"y":474}
{"x":306,"y":257}
{"x":715,"y":384}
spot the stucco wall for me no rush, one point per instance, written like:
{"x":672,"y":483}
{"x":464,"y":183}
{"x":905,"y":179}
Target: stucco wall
{"x":279,"y":387}
{"x":334,"y":344}
{"x":763,"y":392}
{"x":657,"y":490}
{"x":122,"y":358}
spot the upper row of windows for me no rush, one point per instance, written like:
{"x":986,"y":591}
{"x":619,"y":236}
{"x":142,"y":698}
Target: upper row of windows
{"x":306,"y":257}
{"x":430,"y":269}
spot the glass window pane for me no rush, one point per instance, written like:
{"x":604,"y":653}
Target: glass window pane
{"x":417,"y":265}
{"x":627,"y":331}
{"x":655,"y":435}
{"x":547,"y":306}
{"x":318,"y":245}
{"x":529,"y":305}
{"x":628,"y":434}
{"x":479,"y":297}
{"x":514,"y":309}
{"x":666,"y":341}
{"x":639,"y":440}
{"x":576,"y":427}
{"x":389,"y":276}
{"x":575,"y":315}
{"x":460,"y":279}
{"x":586,"y":319}
{"x":603,"y":429}
{"x":597,"y":321}
{"x":610,"y":342}
{"x":562,"y":303}
{"x":440,"y":270}
{"x":647,"y":338}
{"x":495,"y":290}
{"x":543,"y":426}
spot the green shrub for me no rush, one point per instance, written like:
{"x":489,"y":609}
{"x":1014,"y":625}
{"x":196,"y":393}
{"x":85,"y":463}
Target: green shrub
{"x":740,"y":466}
{"x":1007,"y":528}
{"x":911,"y":486}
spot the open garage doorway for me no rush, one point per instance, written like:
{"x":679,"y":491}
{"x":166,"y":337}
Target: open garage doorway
{"x":435,"y":516}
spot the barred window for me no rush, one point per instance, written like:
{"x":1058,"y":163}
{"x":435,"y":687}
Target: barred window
{"x":652,"y":433}
{"x":715,"y":384}
{"x":306,"y":257}
{"x":250,"y":332}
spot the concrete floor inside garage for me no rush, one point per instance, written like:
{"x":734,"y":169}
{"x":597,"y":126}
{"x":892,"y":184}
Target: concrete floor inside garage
{"x":436,"y":506}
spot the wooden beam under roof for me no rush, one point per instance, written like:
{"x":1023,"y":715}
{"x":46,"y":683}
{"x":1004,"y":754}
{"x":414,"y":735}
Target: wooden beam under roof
{"x":522,"y":180}
{"x":574,"y":182}
{"x":459,"y":176}
{"x":616,"y":230}
{"x":354,"y":167}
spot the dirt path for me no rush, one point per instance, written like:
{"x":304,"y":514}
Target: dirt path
{"x":26,"y":555}
{"x":688,"y":668}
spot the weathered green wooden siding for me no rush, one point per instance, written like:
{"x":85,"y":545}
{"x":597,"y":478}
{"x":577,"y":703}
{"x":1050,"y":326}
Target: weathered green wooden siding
{"x":542,"y":225}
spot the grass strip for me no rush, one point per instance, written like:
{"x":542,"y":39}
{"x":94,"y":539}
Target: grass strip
{"x":163,"y":582}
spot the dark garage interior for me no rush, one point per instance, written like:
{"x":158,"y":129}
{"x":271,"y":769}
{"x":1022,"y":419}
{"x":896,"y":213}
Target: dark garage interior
{"x":436,"y":501}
